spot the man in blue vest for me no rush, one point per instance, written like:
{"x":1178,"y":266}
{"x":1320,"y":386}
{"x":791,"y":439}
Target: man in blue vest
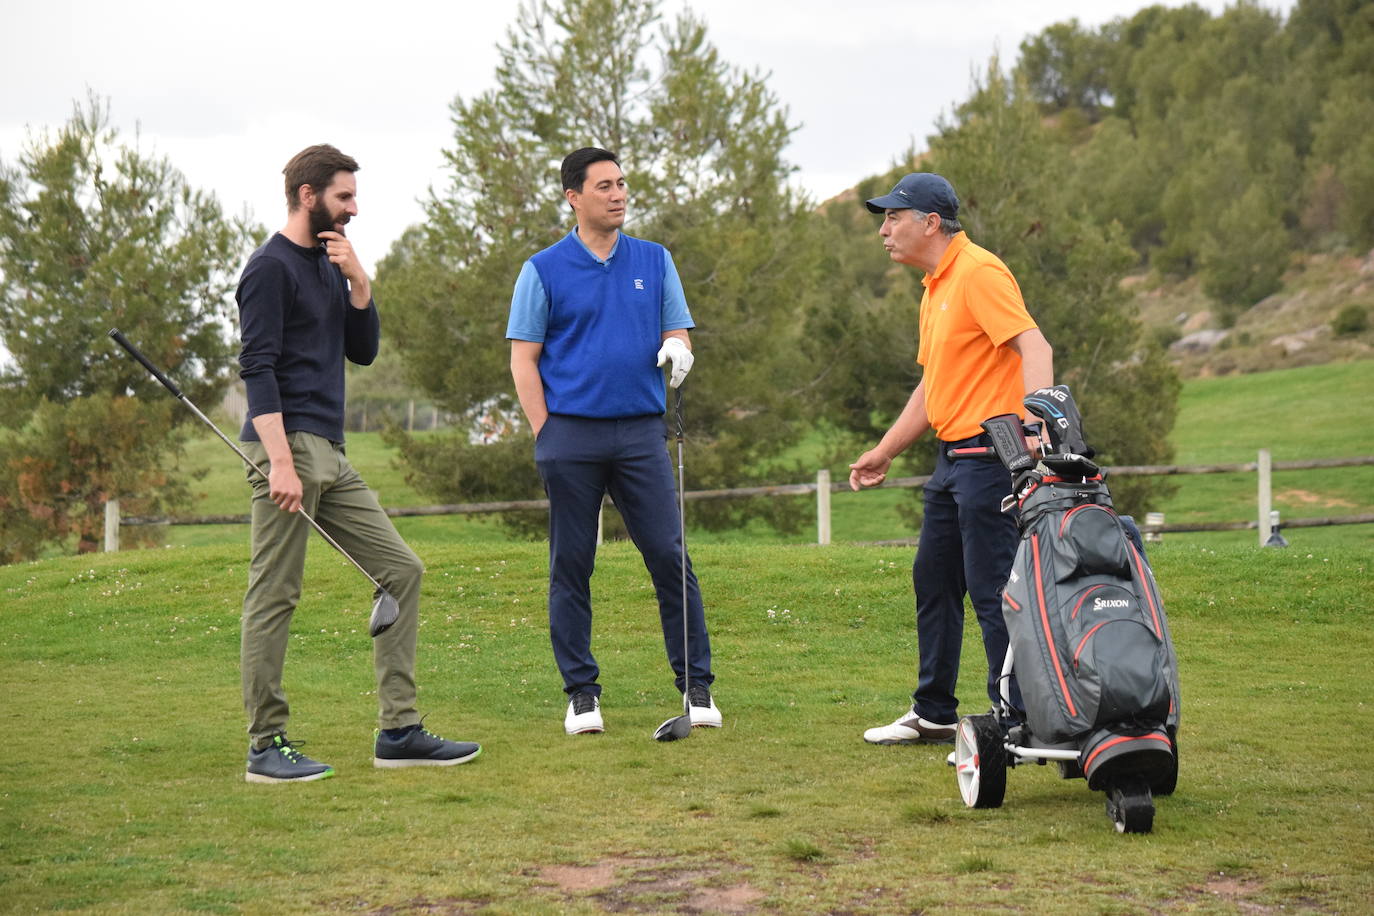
{"x":592,"y":319}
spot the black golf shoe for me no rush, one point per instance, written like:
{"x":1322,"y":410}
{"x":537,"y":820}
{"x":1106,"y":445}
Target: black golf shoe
{"x":281,"y":762}
{"x":419,"y":747}
{"x":702,"y":708}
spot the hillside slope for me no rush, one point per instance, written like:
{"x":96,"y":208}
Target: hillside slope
{"x":1291,"y":328}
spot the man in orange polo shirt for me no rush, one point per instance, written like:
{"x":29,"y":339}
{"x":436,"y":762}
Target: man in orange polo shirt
{"x":981,"y":353}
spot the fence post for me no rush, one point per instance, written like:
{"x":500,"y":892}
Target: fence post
{"x":823,"y":507}
{"x":410,"y":416}
{"x":1266,"y":495}
{"x":600,"y":518}
{"x":111,"y":525}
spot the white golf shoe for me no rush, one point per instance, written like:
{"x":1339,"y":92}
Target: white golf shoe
{"x":584,"y":715}
{"x":909,"y":728}
{"x":702,"y":708}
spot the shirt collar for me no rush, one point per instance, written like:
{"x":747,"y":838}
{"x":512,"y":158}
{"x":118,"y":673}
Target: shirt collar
{"x":956,"y":245}
{"x":594,"y":256}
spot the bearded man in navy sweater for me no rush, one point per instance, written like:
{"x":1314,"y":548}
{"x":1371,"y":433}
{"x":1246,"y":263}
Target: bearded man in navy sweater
{"x":592,"y":319}
{"x":305,"y":303}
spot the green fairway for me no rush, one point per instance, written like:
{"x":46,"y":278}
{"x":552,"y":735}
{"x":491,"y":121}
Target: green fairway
{"x":123,"y":777}
{"x":1297,"y":414}
{"x":133,"y":799}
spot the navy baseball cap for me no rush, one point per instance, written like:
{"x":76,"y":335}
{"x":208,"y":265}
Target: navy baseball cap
{"x":923,"y":191}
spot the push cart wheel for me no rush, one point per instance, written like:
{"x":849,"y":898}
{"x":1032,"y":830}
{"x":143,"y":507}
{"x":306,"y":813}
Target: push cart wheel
{"x":980,"y":761}
{"x":1130,"y":806}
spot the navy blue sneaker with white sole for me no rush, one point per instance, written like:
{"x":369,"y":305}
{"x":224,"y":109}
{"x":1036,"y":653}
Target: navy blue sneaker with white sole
{"x":280,"y":761}
{"x":419,"y":747}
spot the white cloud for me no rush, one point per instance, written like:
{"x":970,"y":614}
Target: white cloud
{"x":229,"y":93}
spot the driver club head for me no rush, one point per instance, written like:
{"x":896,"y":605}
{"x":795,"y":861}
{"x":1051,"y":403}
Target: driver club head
{"x":674,"y":729}
{"x":385,"y":610}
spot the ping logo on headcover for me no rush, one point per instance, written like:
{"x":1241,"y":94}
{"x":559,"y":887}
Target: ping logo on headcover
{"x":1100,"y":604}
{"x":1059,"y":419}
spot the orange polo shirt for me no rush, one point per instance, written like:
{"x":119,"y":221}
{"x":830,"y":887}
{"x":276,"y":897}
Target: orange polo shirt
{"x":971,"y":307}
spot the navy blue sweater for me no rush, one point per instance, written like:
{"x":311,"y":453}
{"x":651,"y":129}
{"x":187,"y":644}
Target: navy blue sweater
{"x":297,"y":326}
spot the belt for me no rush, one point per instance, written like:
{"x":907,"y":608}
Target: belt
{"x":979,"y":446}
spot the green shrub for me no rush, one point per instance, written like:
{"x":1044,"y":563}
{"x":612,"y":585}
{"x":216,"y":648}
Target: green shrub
{"x":1350,"y":321}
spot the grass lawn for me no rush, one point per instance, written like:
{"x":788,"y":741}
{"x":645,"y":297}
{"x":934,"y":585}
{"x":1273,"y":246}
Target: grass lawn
{"x":121,"y":786}
{"x":1296,"y":413}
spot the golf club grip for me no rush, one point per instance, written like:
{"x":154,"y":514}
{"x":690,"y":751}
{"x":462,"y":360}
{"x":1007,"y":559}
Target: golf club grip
{"x":677,"y":411}
{"x":134,"y":352}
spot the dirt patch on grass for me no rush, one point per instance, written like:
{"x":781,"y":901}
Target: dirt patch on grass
{"x":574,"y":878}
{"x":643,"y":885}
{"x":1308,"y":498}
{"x":444,"y":906}
{"x":737,"y":899}
{"x":1234,"y":892}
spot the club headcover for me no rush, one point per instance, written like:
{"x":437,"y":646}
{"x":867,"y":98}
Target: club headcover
{"x":1009,"y":442}
{"x":1063,"y":422}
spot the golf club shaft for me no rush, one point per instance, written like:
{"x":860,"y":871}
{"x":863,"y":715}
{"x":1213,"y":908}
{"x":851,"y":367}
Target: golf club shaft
{"x":682,"y":540}
{"x":303,"y":514}
{"x":172,"y":387}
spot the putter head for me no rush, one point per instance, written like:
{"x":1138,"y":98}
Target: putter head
{"x":385,"y":610}
{"x":674,"y":729}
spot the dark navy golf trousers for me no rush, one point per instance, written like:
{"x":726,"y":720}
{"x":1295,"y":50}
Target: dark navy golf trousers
{"x":967,"y":546}
{"x":580,"y":460}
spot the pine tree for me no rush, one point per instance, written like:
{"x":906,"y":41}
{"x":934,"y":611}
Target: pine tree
{"x":701,"y":145}
{"x":95,"y":234}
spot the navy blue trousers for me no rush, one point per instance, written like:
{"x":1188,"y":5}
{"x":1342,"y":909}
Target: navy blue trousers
{"x":967,"y":546}
{"x":580,"y":460}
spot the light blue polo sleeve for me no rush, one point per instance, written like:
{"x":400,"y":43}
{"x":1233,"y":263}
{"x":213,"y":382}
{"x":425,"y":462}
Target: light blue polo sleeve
{"x":675,"y":313}
{"x":529,"y":307}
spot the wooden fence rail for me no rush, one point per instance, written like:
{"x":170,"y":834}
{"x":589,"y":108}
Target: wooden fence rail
{"x":823,"y":487}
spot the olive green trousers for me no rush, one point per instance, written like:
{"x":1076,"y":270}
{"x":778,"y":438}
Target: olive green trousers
{"x":336,"y":497}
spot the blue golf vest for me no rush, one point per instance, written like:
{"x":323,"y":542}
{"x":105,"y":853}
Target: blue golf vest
{"x":604,"y":330}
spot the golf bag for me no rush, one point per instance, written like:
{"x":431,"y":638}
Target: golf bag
{"x":1088,"y":634}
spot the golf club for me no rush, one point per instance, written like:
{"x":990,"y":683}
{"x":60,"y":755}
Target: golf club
{"x":680,"y":726}
{"x":384,"y":607}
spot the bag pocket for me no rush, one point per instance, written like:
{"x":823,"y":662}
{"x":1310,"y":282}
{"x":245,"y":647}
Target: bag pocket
{"x":1093,"y":543}
{"x":1121,"y":661}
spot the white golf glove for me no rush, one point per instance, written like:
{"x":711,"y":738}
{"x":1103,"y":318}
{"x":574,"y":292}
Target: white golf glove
{"x":674,"y":349}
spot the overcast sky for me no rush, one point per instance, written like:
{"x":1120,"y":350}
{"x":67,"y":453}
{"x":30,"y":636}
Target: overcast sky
{"x":230,"y":91}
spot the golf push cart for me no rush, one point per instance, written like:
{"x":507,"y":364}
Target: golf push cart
{"x":1089,"y":641}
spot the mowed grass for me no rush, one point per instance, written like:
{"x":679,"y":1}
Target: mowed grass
{"x":1298,"y":414}
{"x":121,"y":782}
